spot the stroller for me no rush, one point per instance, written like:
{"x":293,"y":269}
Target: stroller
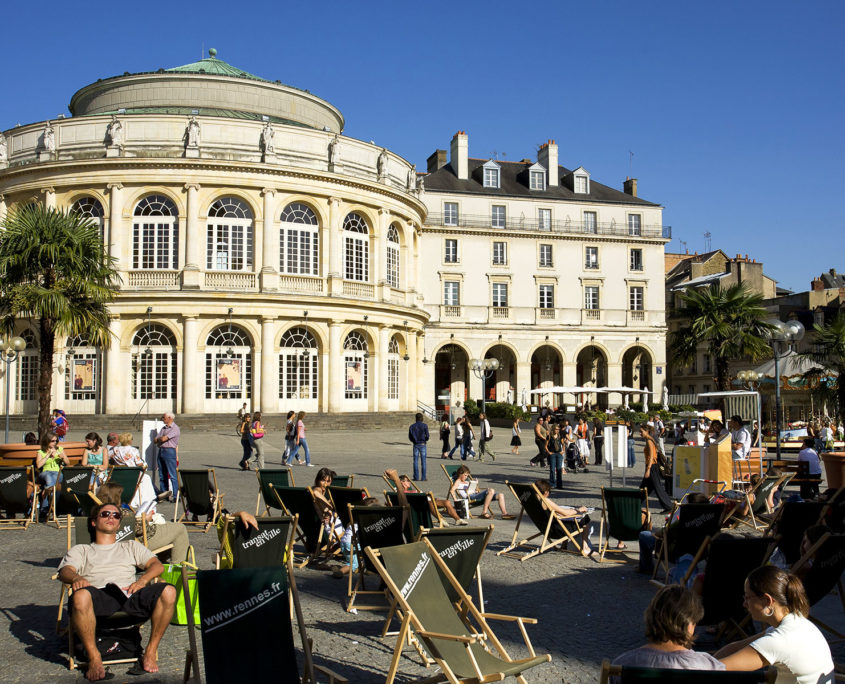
{"x":574,"y":458}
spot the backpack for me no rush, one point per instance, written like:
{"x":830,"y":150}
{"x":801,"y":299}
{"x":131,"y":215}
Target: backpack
{"x":117,"y":644}
{"x":61,"y":428}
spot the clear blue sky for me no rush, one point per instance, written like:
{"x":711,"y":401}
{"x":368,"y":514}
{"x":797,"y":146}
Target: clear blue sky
{"x":733,"y":110}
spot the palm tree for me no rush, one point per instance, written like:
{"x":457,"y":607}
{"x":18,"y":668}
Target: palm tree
{"x":828,"y":351}
{"x":54,"y":270}
{"x":730,"y":321}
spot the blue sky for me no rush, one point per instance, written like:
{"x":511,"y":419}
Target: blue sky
{"x":733,"y":110}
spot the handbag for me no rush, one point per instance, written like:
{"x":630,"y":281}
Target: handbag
{"x":173,"y":575}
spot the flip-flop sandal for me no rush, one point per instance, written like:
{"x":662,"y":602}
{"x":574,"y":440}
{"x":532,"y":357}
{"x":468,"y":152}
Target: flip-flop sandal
{"x":486,"y":516}
{"x":621,"y":548}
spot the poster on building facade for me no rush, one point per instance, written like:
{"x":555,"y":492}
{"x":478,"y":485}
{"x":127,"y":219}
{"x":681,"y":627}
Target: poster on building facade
{"x":83,"y":375}
{"x":228,"y":374}
{"x":353,"y":376}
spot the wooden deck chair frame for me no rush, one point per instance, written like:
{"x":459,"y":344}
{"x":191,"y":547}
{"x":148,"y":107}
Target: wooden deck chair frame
{"x":393,"y":486}
{"x":794,"y":539}
{"x":264,"y":490}
{"x":766,"y":484}
{"x":604,"y":543}
{"x":23,"y":501}
{"x":419,"y":504}
{"x":767,"y":675}
{"x":215,"y":499}
{"x":812,"y":581}
{"x":704,"y":529}
{"x":128,"y":492}
{"x":322,"y":546}
{"x":449,"y":476}
{"x":529,"y":497}
{"x":478,"y":633}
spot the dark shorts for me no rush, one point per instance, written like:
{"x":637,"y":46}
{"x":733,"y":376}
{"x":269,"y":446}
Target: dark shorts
{"x":110,"y":599}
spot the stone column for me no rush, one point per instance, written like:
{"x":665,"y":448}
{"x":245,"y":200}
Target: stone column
{"x":333,"y":241}
{"x":381,"y":366}
{"x":116,"y":389}
{"x":116,"y":229}
{"x":425,"y":380}
{"x":270,"y":244}
{"x":49,"y":197}
{"x":269,"y":366}
{"x":335,"y":352}
{"x":193,"y":240}
{"x":379,"y":247}
{"x":416,"y":268}
{"x":413,"y":368}
{"x":2,"y":207}
{"x":614,"y":379}
{"x":523,"y":380}
{"x":193,"y":382}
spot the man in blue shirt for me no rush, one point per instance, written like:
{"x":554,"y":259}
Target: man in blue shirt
{"x":418,"y":436}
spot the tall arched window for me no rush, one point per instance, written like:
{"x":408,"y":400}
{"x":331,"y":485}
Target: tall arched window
{"x":355,"y":357}
{"x":229,"y":237}
{"x":298,"y":364}
{"x":392,"y":256}
{"x":27,"y":371}
{"x":155,"y":234}
{"x":299,"y":239}
{"x":228,"y":364}
{"x":154,"y":363}
{"x":356,"y":248}
{"x":82,"y":371}
{"x":393,"y":368}
{"x":90,"y":207}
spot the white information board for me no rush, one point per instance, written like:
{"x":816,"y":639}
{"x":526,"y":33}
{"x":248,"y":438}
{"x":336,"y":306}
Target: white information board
{"x":616,"y":446}
{"x":149,"y":450}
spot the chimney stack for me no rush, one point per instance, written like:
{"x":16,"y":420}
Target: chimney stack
{"x":547,"y":156}
{"x":816,"y":285}
{"x":629,"y":187}
{"x":459,"y":157}
{"x":436,"y":161}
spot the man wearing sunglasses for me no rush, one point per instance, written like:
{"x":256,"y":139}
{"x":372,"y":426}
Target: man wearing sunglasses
{"x":104,"y":579}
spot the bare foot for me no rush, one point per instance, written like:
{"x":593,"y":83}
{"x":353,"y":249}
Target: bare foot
{"x":149,"y":663}
{"x":96,"y":670}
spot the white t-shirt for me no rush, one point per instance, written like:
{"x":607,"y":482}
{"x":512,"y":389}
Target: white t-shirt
{"x":743,"y":437}
{"x":103,"y":564}
{"x":798,"y":650}
{"x":809,"y":454}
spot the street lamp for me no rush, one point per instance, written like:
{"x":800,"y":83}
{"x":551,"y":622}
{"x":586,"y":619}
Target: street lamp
{"x":10,"y":349}
{"x":780,"y":336}
{"x":749,"y":378}
{"x":483,"y":369}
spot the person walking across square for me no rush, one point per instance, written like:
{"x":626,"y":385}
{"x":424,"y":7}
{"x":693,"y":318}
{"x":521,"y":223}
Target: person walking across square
{"x":418,"y":436}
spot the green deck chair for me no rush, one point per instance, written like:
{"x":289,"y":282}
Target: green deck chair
{"x":381,"y":526}
{"x":625,"y":674}
{"x":16,"y":497}
{"x":299,"y":501}
{"x":451,"y":470}
{"x":758,"y":507}
{"x":696,"y":523}
{"x":553,"y":531}
{"x":246,"y":547}
{"x":200,"y":495}
{"x":419,"y":512}
{"x":343,"y":497}
{"x":279,"y":477}
{"x":789,"y":524}
{"x":72,"y":496}
{"x":128,"y":477}
{"x":342,"y":480}
{"x":411,"y":575}
{"x":621,"y":516}
{"x":393,"y":486}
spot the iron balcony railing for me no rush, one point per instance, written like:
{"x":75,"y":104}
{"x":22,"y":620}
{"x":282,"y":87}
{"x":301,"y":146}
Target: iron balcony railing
{"x":611,"y":228}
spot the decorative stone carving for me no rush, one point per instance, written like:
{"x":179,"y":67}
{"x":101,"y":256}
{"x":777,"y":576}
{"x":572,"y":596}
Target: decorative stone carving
{"x":412,"y":178}
{"x":115,"y":132}
{"x":334,"y":151}
{"x":268,"y":148}
{"x":192,"y":138}
{"x":48,"y":138}
{"x":381,"y":164}
{"x":4,"y":152}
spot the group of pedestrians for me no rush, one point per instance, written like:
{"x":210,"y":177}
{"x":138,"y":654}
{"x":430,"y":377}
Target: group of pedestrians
{"x":253,"y":434}
{"x":464,"y":437}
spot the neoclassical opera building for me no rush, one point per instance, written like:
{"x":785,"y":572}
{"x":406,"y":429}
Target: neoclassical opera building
{"x":267,"y":258}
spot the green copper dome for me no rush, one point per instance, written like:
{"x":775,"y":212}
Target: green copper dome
{"x":216,"y":67}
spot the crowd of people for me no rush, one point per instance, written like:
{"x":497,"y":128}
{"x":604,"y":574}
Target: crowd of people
{"x":253,"y":432}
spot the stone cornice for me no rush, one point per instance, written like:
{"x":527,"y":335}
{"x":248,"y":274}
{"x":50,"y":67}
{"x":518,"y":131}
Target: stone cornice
{"x":542,"y":235}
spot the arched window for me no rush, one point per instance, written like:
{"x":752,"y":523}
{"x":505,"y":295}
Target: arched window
{"x":298,"y":364}
{"x":154,"y":363}
{"x":155,"y":234}
{"x":82,"y":369}
{"x":299,"y":239}
{"x":355,"y":357}
{"x":392,"y":256}
{"x":27,"y":371}
{"x":229,"y":237}
{"x":90,"y":207}
{"x":356,"y":248}
{"x":228,"y":364}
{"x":393,"y":368}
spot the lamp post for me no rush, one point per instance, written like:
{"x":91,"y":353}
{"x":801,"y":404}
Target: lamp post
{"x":483,"y":369}
{"x":780,"y":337}
{"x":10,"y":349}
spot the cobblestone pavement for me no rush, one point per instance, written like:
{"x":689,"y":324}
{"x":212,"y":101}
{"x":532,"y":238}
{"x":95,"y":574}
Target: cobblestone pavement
{"x":586,"y":611}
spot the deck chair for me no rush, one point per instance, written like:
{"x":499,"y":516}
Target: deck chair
{"x":451,"y":470}
{"x":464,"y":652}
{"x":696,"y":523}
{"x":622,"y":510}
{"x":420,"y":516}
{"x":342,"y":497}
{"x":626,"y":674}
{"x":790,"y":522}
{"x":834,"y":515}
{"x":71,"y":496}
{"x":759,"y":506}
{"x":128,"y":477}
{"x":554,"y":532}
{"x":342,"y":480}
{"x":245,"y":611}
{"x":199,"y":495}
{"x":393,"y":486}
{"x":246,"y":547}
{"x":299,"y":501}
{"x":825,"y":573}
{"x":371,"y":525}
{"x":461,"y":549}
{"x":18,"y":494}
{"x":279,"y":477}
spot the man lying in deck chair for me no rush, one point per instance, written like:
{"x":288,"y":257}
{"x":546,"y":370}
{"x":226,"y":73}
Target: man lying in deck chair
{"x":103,"y":578}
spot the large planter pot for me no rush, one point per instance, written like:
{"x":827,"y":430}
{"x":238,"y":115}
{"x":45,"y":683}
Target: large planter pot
{"x":834,"y":468}
{"x":24,"y":454}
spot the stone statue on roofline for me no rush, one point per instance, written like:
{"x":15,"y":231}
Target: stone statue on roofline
{"x":4,"y":151}
{"x":267,"y":137}
{"x":115,"y":132}
{"x":192,"y":133}
{"x":49,"y":138}
{"x":381,"y":164}
{"x":412,"y":178}
{"x":333,"y":151}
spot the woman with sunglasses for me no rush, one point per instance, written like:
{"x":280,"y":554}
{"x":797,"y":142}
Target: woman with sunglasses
{"x":49,"y":460}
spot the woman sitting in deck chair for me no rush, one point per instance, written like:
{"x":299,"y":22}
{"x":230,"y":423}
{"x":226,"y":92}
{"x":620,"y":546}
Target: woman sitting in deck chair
{"x":461,"y":489}
{"x":565,"y":513}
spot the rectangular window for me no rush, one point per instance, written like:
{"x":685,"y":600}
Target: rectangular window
{"x":706,"y":388}
{"x":500,"y":294}
{"x":392,"y":266}
{"x":393,"y":378}
{"x":154,"y":246}
{"x":451,"y":293}
{"x":546,"y":256}
{"x":27,"y":383}
{"x":450,"y":213}
{"x":707,"y":363}
{"x":636,"y":260}
{"x":500,"y":253}
{"x":691,"y":389}
{"x":544,"y":219}
{"x":634,"y":224}
{"x":590,"y":224}
{"x":581,"y":184}
{"x":298,"y":252}
{"x":547,"y":296}
{"x":450,"y":254}
{"x":591,"y":297}
{"x":591,"y":257}
{"x":498,"y":216}
{"x":635,"y":298}
{"x":357,"y":262}
{"x":538,"y":180}
{"x":491,"y":178}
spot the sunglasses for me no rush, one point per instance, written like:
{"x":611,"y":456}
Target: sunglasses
{"x":110,"y":514}
{"x":54,"y":441}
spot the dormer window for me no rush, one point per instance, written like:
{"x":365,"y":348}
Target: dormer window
{"x":492,"y":175}
{"x":537,"y":177}
{"x":581,"y":181}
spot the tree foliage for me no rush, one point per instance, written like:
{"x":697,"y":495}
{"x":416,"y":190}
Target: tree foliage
{"x":828,"y":351}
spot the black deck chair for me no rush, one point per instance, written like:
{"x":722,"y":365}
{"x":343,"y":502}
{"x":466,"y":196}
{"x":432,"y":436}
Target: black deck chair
{"x":245,"y":547}
{"x":279,"y":477}
{"x":625,"y":674}
{"x":299,"y":501}
{"x":342,"y":480}
{"x":342,"y":497}
{"x":696,"y":523}
{"x":554,"y":532}
{"x":825,"y":573}
{"x":622,"y":510}
{"x":200,"y":495}
{"x":834,"y":514}
{"x":393,"y":485}
{"x":245,"y":610}
{"x":376,"y":526}
{"x":419,"y":512}
{"x":16,"y":497}
{"x":451,"y":470}
{"x":71,"y":496}
{"x":128,"y":477}
{"x":790,"y":523}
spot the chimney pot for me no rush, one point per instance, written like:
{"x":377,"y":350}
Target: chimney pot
{"x":436,"y":161}
{"x":548,"y":157}
{"x":459,"y":155}
{"x":629,"y":187}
